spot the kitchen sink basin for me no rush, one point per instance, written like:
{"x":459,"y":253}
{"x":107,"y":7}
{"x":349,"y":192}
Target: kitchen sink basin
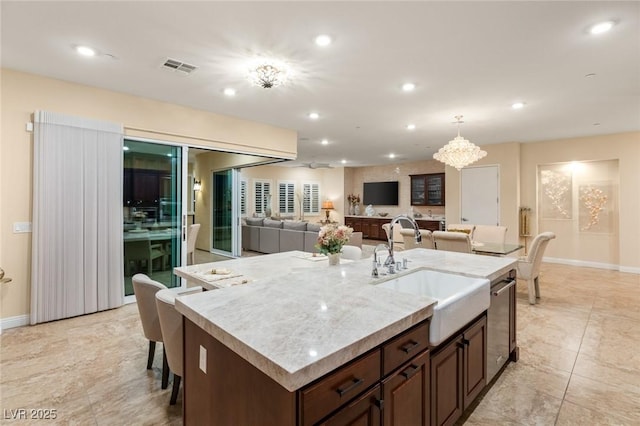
{"x":460,"y":299}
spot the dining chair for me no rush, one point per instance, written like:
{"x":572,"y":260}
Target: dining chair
{"x":143,"y":250}
{"x":171,"y":326}
{"x":192,"y":235}
{"x":452,"y":241}
{"x":528,"y":267}
{"x":490,"y":234}
{"x":462,"y":227}
{"x":351,"y":252}
{"x":145,"y":290}
{"x":409,"y":238}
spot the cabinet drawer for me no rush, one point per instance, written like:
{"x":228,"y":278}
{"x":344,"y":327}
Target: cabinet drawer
{"x":339,"y":387}
{"x":404,"y":347}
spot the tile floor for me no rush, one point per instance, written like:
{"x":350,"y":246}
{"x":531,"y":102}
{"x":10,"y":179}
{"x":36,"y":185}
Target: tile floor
{"x":579,"y":362}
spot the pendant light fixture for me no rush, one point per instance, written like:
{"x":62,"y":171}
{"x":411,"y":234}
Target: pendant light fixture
{"x":459,"y":152}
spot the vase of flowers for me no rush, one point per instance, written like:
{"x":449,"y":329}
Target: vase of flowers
{"x":354,"y":201}
{"x":331,"y":238}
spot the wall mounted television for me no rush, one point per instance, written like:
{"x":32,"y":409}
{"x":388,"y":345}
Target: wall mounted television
{"x":380,"y":193}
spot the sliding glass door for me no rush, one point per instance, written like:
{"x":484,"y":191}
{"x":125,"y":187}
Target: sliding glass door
{"x":153,"y":211}
{"x":225,"y":212}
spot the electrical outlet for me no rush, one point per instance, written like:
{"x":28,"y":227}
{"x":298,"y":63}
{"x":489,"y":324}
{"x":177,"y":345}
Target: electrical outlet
{"x":20,"y":227}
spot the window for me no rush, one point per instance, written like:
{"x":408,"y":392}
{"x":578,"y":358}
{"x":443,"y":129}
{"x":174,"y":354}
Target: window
{"x":262,"y":191}
{"x":311,"y":192}
{"x":243,"y":197}
{"x":286,"y":197}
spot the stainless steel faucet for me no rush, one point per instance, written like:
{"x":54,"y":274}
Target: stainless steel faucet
{"x":374,"y":271}
{"x":390,"y":260}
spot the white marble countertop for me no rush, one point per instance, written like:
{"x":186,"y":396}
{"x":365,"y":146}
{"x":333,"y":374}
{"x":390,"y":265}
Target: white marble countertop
{"x":298,"y":319}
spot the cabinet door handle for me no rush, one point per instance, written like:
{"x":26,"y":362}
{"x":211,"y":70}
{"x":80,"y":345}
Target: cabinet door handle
{"x":379,"y":403}
{"x":349,"y":386}
{"x":465,"y":341}
{"x":409,"y":346}
{"x":409,"y":371}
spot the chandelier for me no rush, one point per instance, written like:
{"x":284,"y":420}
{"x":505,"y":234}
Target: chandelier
{"x":268,"y":75}
{"x":459,"y":152}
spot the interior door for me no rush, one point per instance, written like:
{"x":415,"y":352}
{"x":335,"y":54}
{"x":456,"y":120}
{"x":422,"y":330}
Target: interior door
{"x":480,"y":195}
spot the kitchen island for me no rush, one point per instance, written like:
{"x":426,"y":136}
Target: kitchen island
{"x":302,"y":341}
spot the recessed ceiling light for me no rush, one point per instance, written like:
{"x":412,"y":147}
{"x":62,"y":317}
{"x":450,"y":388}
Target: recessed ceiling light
{"x":125,"y":148}
{"x":411,"y":126}
{"x":314,"y":115}
{"x":344,"y":161}
{"x":392,"y":155}
{"x":229,"y":91}
{"x":325,"y":142}
{"x":408,"y":87}
{"x":591,"y":74}
{"x":518,"y":105}
{"x":601,"y":27}
{"x":85,"y":51}
{"x":596,"y":124}
{"x":323,"y":40}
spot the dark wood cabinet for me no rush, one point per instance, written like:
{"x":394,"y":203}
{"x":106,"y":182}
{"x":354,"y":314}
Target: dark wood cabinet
{"x":145,"y":187}
{"x":364,"y":411}
{"x":446,"y":383}
{"x":371,"y":227}
{"x":406,"y":394}
{"x":431,"y":225}
{"x":474,"y":374}
{"x":427,"y":189}
{"x":458,"y":373}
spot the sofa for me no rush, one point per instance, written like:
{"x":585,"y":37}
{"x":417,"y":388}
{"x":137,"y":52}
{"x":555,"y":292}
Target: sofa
{"x":275,"y":236}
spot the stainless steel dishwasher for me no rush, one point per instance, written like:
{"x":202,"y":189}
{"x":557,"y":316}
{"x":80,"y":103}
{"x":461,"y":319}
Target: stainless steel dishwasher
{"x":498,"y":324}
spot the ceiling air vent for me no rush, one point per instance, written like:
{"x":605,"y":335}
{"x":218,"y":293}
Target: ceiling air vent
{"x":174,"y":65}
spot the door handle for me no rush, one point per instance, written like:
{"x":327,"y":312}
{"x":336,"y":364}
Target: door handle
{"x":4,"y":280}
{"x":464,"y":219}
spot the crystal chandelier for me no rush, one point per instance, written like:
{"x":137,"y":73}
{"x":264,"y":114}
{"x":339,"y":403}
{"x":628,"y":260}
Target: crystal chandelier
{"x":459,"y":152}
{"x":268,"y":75}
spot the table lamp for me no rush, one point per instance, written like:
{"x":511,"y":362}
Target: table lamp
{"x":327,"y":206}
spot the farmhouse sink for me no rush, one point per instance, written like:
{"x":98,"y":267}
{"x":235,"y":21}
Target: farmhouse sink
{"x":460,"y":299}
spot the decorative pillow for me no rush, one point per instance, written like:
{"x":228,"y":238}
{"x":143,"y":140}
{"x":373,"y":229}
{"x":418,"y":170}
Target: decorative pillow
{"x":255,"y":221}
{"x":295,"y":225}
{"x":270,"y":223}
{"x":313,"y":227}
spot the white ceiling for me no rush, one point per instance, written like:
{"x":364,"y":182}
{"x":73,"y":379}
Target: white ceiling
{"x":468,"y":58}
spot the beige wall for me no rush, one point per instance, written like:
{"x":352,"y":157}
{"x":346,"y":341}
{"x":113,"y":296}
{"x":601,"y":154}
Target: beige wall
{"x":22,"y":94}
{"x":356,"y":176}
{"x":624,"y":147}
{"x":506,"y":157}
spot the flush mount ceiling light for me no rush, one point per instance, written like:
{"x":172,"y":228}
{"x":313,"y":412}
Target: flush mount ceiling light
{"x":601,"y":27}
{"x":229,"y":92}
{"x":459,"y":152}
{"x":314,"y":115}
{"x":517,"y":105}
{"x":411,"y":126}
{"x":268,"y":74}
{"x":325,"y":142}
{"x":85,"y":51}
{"x":323,"y":40}
{"x":408,"y":87}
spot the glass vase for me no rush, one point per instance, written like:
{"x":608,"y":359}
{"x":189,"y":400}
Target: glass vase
{"x":352,"y":209}
{"x":334,"y":259}
{"x":356,"y":210}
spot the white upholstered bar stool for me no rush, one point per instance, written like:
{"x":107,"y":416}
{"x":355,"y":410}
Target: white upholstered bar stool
{"x":192,"y":236}
{"x":145,"y":290}
{"x":528,"y":267}
{"x":452,"y":241}
{"x":171,"y":325}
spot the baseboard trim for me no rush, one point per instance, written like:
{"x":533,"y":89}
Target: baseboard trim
{"x":12,"y":322}
{"x":597,"y":265}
